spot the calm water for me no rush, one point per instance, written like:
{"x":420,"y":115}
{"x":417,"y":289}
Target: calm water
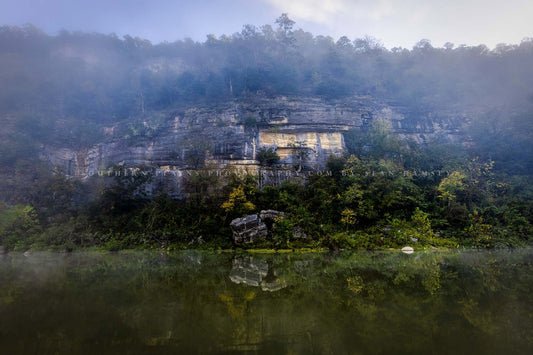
{"x":460,"y":302}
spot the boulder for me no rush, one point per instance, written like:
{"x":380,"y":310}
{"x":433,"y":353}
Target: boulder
{"x":299,"y":233}
{"x":408,"y":250}
{"x":248,"y":229}
{"x":271,"y":215}
{"x":253,"y":227}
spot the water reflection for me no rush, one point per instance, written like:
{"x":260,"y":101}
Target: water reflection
{"x":460,"y":302}
{"x":253,"y":272}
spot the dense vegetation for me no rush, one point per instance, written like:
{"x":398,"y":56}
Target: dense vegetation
{"x":61,"y":90}
{"x":392,"y":196}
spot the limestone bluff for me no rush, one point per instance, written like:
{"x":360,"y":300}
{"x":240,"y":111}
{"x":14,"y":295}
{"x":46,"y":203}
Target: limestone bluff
{"x":230,"y":134}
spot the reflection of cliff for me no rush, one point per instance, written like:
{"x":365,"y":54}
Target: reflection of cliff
{"x":252,"y":272}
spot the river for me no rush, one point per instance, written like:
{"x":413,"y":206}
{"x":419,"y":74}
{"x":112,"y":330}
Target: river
{"x":191,"y":302}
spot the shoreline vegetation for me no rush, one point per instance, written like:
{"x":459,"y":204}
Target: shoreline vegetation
{"x":236,"y":251}
{"x":473,"y":205}
{"x":470,"y":207}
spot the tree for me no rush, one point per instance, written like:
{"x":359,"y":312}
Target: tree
{"x":349,"y":217}
{"x":18,"y":225}
{"x":479,"y":232}
{"x":368,"y":45}
{"x":237,"y":203}
{"x":449,"y":187}
{"x":285,"y":33}
{"x":285,"y":24}
{"x":117,"y":203}
{"x":196,"y":151}
{"x":378,"y":188}
{"x":267,"y":156}
{"x":471,"y":185}
{"x":299,"y":149}
{"x":344,"y":43}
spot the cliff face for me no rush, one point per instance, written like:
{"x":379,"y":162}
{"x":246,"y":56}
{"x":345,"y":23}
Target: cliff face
{"x":233,"y":133}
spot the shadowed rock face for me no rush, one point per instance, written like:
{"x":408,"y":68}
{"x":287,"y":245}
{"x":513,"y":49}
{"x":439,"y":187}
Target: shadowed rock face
{"x":231,"y":134}
{"x":269,"y":217}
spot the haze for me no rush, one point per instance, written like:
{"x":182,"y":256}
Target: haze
{"x":395,"y":23}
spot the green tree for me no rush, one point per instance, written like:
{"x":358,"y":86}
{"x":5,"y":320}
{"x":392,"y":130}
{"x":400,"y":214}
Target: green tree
{"x":19,"y":226}
{"x":267,"y":156}
{"x":473,"y":185}
{"x":237,"y":203}
{"x":450,"y":186}
{"x":378,"y":189}
{"x":479,"y":232}
{"x":300,"y":149}
{"x":349,"y":218}
{"x":196,"y":151}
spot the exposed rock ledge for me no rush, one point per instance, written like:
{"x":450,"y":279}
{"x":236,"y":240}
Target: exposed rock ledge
{"x":253,"y":227}
{"x":235,"y":131}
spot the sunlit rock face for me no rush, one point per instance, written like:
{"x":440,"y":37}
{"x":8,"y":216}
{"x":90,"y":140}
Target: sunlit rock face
{"x":320,"y":145}
{"x":232,"y":133}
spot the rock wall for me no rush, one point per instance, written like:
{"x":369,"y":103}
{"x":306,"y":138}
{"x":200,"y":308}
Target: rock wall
{"x":232,"y":133}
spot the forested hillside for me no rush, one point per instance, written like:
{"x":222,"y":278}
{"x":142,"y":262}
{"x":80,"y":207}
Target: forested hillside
{"x":69,"y":90}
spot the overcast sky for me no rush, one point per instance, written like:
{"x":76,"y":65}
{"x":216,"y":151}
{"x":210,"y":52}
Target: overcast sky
{"x":394,"y":22}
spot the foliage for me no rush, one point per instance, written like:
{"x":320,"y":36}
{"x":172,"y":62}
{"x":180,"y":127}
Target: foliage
{"x":196,"y":152}
{"x":237,"y":203}
{"x":300,"y":149}
{"x":267,"y":156}
{"x":363,"y":203}
{"x":480,"y":233}
{"x":19,"y":226}
{"x":282,"y":232}
{"x":348,"y":217}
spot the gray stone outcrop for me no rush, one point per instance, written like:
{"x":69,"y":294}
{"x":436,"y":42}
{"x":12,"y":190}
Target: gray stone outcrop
{"x":253,"y":227}
{"x":248,"y":229}
{"x":270,"y":215}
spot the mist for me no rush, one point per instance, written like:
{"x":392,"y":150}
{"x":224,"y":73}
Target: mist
{"x":85,"y":80}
